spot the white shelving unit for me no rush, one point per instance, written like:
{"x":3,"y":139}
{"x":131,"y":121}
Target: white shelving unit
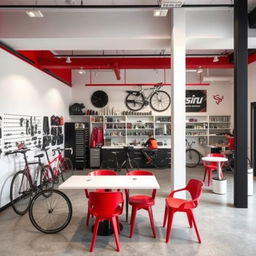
{"x":122,"y":130}
{"x":207,"y":129}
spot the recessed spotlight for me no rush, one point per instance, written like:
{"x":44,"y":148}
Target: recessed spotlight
{"x":171,"y":3}
{"x":34,"y":14}
{"x":160,"y":12}
{"x":199,"y":71}
{"x":81,"y":71}
{"x":215,"y":59}
{"x":68,"y":60}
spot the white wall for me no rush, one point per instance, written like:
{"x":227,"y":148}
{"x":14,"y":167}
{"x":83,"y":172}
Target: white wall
{"x":251,"y":98}
{"x":26,"y":90}
{"x":117,"y":94}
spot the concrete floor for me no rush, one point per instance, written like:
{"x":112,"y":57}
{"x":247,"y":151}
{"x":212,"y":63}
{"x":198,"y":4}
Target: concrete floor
{"x":225,"y":230}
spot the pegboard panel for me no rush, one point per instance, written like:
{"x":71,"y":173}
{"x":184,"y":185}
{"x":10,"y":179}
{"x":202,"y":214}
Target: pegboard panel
{"x":21,"y":129}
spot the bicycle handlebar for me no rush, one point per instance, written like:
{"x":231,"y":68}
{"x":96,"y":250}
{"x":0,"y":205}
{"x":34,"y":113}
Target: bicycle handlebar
{"x":22,"y":151}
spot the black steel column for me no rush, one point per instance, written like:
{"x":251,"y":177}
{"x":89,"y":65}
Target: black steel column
{"x":240,"y":102}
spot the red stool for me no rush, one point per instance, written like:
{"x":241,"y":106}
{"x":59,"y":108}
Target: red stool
{"x":210,"y":167}
{"x":106,"y":206}
{"x":141,"y":202}
{"x":195,"y":188}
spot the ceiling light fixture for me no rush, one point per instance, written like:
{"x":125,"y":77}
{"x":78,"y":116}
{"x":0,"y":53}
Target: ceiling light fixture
{"x":68,"y":60}
{"x":81,"y":71}
{"x":34,"y":14}
{"x":160,"y":12}
{"x":200,"y":70}
{"x":171,"y":3}
{"x":215,"y":59}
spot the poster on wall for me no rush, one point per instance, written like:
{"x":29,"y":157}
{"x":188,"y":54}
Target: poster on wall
{"x":196,"y":100}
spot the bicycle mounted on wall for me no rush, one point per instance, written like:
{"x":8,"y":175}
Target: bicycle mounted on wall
{"x":158,"y":99}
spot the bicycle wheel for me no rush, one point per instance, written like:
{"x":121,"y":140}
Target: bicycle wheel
{"x":20,"y":193}
{"x":160,"y":101}
{"x":50,"y":214}
{"x":66,"y":168}
{"x":134,"y":102}
{"x":193,"y":158}
{"x":131,"y":165}
{"x":109,"y":165}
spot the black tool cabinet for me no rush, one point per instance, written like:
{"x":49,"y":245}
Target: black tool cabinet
{"x":77,"y":138}
{"x":163,"y":153}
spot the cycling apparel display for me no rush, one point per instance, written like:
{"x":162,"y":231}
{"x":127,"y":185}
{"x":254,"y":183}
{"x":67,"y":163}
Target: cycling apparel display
{"x":97,"y":137}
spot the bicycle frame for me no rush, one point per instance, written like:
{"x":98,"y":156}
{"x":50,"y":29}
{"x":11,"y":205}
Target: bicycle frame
{"x":57,"y":160}
{"x":28,"y":172}
{"x":152,"y":89}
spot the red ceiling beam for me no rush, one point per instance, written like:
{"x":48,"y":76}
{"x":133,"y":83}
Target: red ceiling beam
{"x":117,"y":71}
{"x":131,"y":63}
{"x":32,"y":60}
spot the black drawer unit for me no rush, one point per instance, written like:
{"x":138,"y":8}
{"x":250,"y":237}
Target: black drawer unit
{"x":163,"y":153}
{"x":107,"y":153}
{"x":77,"y":138}
{"x":95,"y":157}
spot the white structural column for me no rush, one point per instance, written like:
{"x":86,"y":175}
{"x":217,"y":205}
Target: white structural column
{"x":178,"y":65}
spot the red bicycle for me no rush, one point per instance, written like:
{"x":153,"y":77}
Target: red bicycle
{"x":28,"y":181}
{"x":59,"y":165}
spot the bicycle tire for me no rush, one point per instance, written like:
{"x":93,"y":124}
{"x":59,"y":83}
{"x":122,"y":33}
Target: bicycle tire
{"x":131,"y":165}
{"x":20,"y":193}
{"x":131,"y":97}
{"x":50,"y":214}
{"x":109,"y":165}
{"x":66,"y":168}
{"x":162,"y":94}
{"x":192,"y":160}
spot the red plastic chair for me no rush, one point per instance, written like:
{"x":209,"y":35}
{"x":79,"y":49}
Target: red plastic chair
{"x":141,"y":202}
{"x":96,"y":173}
{"x":195,"y":188}
{"x":209,"y":167}
{"x":106,"y":206}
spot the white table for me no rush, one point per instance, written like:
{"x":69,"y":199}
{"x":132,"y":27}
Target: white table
{"x":219,"y":184}
{"x":111,"y":182}
{"x":219,"y":160}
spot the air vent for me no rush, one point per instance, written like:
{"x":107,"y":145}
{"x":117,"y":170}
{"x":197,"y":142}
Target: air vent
{"x":171,"y":4}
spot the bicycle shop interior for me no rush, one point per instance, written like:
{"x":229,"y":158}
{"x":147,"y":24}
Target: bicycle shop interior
{"x":67,"y":69}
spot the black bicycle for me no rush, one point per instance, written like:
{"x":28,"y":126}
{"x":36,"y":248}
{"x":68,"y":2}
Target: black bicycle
{"x":24,"y":185}
{"x":156,"y":160}
{"x":114,"y":164}
{"x":50,"y":214}
{"x":158,"y":100}
{"x":193,"y":156}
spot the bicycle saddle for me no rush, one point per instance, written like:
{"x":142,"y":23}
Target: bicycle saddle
{"x":39,"y":155}
{"x":128,"y":148}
